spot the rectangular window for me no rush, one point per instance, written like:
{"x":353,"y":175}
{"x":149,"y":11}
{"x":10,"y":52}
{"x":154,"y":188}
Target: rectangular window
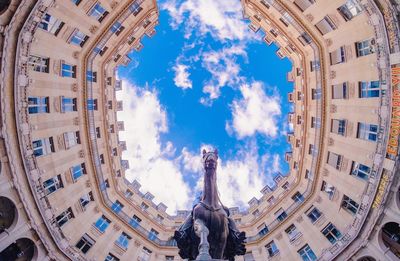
{"x":314,"y":214}
{"x":111,"y":257}
{"x":303,"y":4}
{"x":38,"y":63}
{"x":315,"y":122}
{"x":98,"y":133}
{"x":98,"y":12}
{"x":85,"y":199}
{"x":314,"y":65}
{"x":76,"y":2}
{"x":262,"y":230}
{"x":280,"y":215}
{"x":143,"y":206}
{"x":349,"y":204}
{"x":367,"y":131}
{"x":68,"y":70}
{"x":338,"y":56}
{"x":369,"y":89}
{"x":51,"y":24}
{"x":339,"y":91}
{"x":365,"y":47}
{"x":307,"y":254}
{"x":117,"y":206}
{"x":91,"y":76}
{"x":78,"y":38}
{"x":335,"y":160}
{"x":77,"y":171}
{"x":298,"y":197}
{"x":123,"y":240}
{"x":350,"y":9}
{"x":38,"y":105}
{"x":272,"y":249}
{"x":71,"y":139}
{"x":68,"y":104}
{"x":53,"y":184}
{"x":102,"y":224}
{"x":145,"y":255}
{"x":338,"y":126}
{"x":326,"y":25}
{"x":359,"y":170}
{"x":153,"y":235}
{"x":135,"y":8}
{"x":85,"y":243}
{"x":117,"y":28}
{"x":92,"y":104}
{"x":331,"y":233}
{"x":328,"y":189}
{"x":293,"y":233}
{"x":135,"y":221}
{"x":128,"y":193}
{"x":102,"y":159}
{"x":167,"y":258}
{"x":43,"y":147}
{"x":64,"y":217}
{"x":315,"y":94}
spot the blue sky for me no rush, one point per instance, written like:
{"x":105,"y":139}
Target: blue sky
{"x":204,"y":80}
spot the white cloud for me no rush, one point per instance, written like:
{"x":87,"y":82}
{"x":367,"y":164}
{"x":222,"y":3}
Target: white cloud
{"x":145,"y":120}
{"x":182,"y":76}
{"x":255,"y":113}
{"x":222,"y":19}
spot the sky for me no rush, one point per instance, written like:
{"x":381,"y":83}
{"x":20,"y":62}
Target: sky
{"x":204,"y":80}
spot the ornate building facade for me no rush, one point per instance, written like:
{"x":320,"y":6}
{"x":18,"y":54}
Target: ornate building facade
{"x":63,"y":192}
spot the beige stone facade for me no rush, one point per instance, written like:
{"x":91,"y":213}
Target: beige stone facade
{"x":62,"y":179}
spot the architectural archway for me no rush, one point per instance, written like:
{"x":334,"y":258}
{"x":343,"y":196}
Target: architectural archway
{"x":8,"y":214}
{"x":21,"y":250}
{"x":366,"y":258}
{"x":4,"y":5}
{"x":391,"y":237}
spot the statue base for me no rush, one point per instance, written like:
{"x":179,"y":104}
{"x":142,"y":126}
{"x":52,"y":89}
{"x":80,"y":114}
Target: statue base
{"x":209,"y":260}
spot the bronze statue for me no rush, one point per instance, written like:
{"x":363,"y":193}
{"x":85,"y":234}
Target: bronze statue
{"x":224,"y":240}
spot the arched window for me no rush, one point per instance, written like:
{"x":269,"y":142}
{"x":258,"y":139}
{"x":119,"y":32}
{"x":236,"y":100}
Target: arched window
{"x":22,"y":250}
{"x":8,"y":214}
{"x":366,"y":258}
{"x":391,"y":237}
{"x":4,"y":5}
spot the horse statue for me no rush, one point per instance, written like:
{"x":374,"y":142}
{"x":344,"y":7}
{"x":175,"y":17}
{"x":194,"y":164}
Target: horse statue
{"x":224,"y":239}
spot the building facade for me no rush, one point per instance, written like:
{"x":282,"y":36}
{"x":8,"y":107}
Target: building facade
{"x":63,"y":192}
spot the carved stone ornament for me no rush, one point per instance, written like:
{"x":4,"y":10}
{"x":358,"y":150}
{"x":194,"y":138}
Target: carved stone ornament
{"x":331,"y":141}
{"x":318,"y":199}
{"x":75,"y":54}
{"x":309,"y":17}
{"x":114,"y":4}
{"x":96,"y":209}
{"x":117,"y":227}
{"x":325,"y":172}
{"x":299,"y":219}
{"x":333,"y":108}
{"x":74,"y":87}
{"x":93,"y":29}
{"x":137,"y":243}
{"x":76,"y":121}
{"x":328,"y":41}
{"x":81,"y":154}
{"x":332,"y":74}
{"x":279,"y":236}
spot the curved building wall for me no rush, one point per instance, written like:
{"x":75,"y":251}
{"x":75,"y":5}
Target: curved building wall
{"x":61,"y":164}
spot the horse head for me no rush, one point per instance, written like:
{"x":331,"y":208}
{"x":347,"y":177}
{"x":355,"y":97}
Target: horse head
{"x":210,"y":160}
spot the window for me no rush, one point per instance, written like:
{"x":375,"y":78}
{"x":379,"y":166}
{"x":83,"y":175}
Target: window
{"x":350,"y":9}
{"x":298,"y":197}
{"x":123,"y":240}
{"x":314,"y":65}
{"x":361,"y":171}
{"x":76,"y":2}
{"x":315,"y":122}
{"x":153,"y":235}
{"x":315,"y":94}
{"x":365,"y":47}
{"x":331,"y":233}
{"x":145,"y":254}
{"x":143,"y":206}
{"x":338,"y":126}
{"x":91,"y":76}
{"x":85,"y":243}
{"x":85,"y":199}
{"x":128,"y":193}
{"x":77,"y":171}
{"x":38,"y":63}
{"x":111,"y":257}
{"x":303,"y":4}
{"x":52,"y":184}
{"x":43,"y":147}
{"x":117,"y":28}
{"x":293,"y":233}
{"x":272,"y":249}
{"x":311,"y":149}
{"x":38,"y":105}
{"x":335,"y":160}
{"x":328,"y":189}
{"x":169,"y":258}
{"x":367,"y":131}
{"x":78,"y":38}
{"x":102,"y":224}
{"x":71,"y":139}
{"x":98,"y":12}
{"x":262,"y":230}
{"x":98,"y":133}
{"x":135,"y":221}
{"x":117,"y":206}
{"x":338,"y":56}
{"x":68,"y":70}
{"x":92,"y":104}
{"x":314,"y":214}
{"x":307,"y":254}
{"x":325,"y":25}
{"x":349,"y":204}
{"x":369,"y":89}
{"x":64,"y":217}
{"x":102,"y":159}
{"x":339,"y":91}
{"x":135,"y":8}
{"x":280,"y":215}
{"x":109,"y":105}
{"x":68,"y":104}
{"x":51,"y":24}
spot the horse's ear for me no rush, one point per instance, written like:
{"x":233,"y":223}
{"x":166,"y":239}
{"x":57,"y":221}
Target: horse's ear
{"x":216,"y":152}
{"x":204,"y":151}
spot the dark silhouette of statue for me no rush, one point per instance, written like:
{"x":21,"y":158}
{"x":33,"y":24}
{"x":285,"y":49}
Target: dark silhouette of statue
{"x":224,"y":239}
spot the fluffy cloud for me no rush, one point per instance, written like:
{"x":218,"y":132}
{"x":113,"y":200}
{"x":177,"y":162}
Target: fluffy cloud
{"x":145,"y":120}
{"x":182,"y":76}
{"x":255,"y":113}
{"x":222,"y":19}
